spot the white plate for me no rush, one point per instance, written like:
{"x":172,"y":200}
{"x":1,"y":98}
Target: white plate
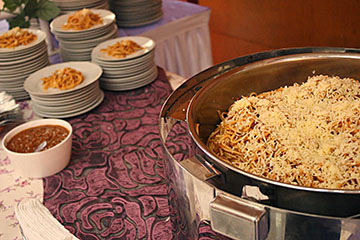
{"x":23,"y":66}
{"x":126,"y":63}
{"x":129,"y":79}
{"x":74,"y":2}
{"x":147,"y":43}
{"x":126,"y":86}
{"x":127,"y":75}
{"x":84,"y":36}
{"x":12,"y":51}
{"x":75,"y":105}
{"x":90,"y":71}
{"x":23,"y":54}
{"x":67,"y":96}
{"x":15,"y":61}
{"x":24,"y":71}
{"x":107,"y":16}
{"x":131,"y":3}
{"x":90,"y":42}
{"x":61,"y":101}
{"x":141,"y":22}
{"x":74,"y":112}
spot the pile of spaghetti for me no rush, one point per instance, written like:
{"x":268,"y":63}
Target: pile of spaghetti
{"x":122,"y":48}
{"x":16,"y":37}
{"x":306,"y":134}
{"x":81,"y":20}
{"x":63,"y":79}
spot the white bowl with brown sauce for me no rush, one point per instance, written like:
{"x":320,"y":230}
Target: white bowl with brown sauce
{"x":21,"y":145}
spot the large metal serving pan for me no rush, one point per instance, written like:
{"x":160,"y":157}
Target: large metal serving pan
{"x":205,"y":188}
{"x":261,"y":76}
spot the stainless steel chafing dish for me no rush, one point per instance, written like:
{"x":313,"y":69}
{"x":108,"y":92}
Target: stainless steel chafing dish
{"x":238,"y":204}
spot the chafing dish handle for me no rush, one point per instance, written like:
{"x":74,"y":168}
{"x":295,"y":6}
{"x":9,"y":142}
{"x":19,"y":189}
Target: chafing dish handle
{"x":238,"y":218}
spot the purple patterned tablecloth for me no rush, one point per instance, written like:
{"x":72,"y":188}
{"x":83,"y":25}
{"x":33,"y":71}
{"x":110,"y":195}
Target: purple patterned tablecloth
{"x":114,"y":186}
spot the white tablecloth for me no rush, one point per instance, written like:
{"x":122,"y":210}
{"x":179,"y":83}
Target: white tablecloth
{"x":182,"y":37}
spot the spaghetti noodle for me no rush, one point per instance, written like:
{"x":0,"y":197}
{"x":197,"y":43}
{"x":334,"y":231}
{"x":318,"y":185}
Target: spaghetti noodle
{"x":63,"y":79}
{"x":16,"y":37}
{"x":122,"y":48}
{"x":81,"y":20}
{"x":307,"y":135}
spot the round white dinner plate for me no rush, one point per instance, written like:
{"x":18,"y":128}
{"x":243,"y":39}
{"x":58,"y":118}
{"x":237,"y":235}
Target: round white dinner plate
{"x":23,"y":54}
{"x":131,"y":3}
{"x":79,"y":36}
{"x":73,"y":112}
{"x":66,"y":58}
{"x":124,"y":63}
{"x":67,"y":96}
{"x":76,"y":5}
{"x":139,"y":22}
{"x":126,"y":87}
{"x":15,"y":61}
{"x":100,"y":5}
{"x":86,"y":42}
{"x":64,"y":3}
{"x":80,"y":104}
{"x":132,"y":76}
{"x":107,"y":16}
{"x":12,"y":51}
{"x":147,"y":43}
{"x":24,"y":71}
{"x":128,"y":72}
{"x":66,"y":100}
{"x":12,"y":84}
{"x":24,"y":68}
{"x":90,"y":71}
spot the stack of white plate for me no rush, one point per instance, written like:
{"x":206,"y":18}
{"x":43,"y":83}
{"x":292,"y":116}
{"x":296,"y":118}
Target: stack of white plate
{"x":56,"y":103}
{"x":77,"y":45}
{"x":135,"y":70}
{"x":135,"y":13}
{"x":67,"y":6}
{"x":16,"y":64}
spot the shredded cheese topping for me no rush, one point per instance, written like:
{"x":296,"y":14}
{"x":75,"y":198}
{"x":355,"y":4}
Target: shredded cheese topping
{"x":306,"y":134}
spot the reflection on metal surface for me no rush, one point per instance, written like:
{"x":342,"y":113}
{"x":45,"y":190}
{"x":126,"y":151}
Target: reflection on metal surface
{"x":253,"y":192}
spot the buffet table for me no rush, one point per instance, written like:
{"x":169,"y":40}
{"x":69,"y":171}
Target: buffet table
{"x":182,"y":37}
{"x":114,"y":186}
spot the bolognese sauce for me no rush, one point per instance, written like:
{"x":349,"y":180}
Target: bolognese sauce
{"x":29,"y":139}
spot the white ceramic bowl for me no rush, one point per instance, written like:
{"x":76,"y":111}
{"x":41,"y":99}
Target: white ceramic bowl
{"x":44,"y":163}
